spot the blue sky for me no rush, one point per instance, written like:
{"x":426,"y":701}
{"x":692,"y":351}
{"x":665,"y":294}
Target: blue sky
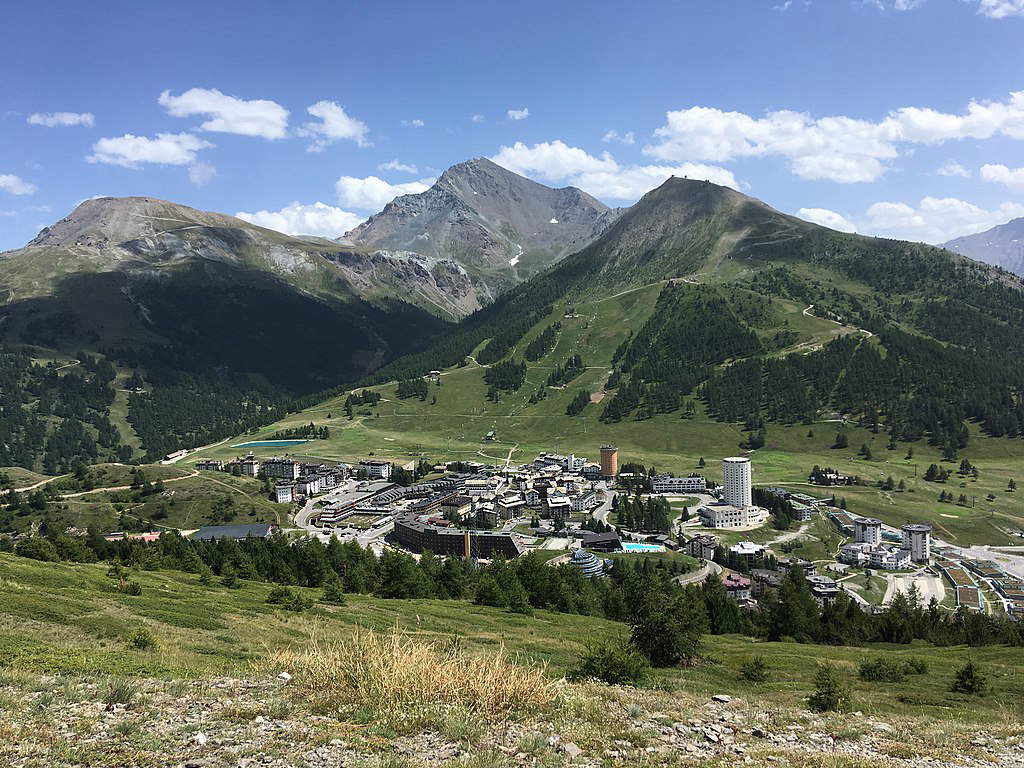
{"x":894,"y":117}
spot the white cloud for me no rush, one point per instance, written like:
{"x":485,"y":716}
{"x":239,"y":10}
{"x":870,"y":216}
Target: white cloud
{"x":228,"y":114}
{"x":518,"y":114}
{"x":62,"y":119}
{"x":936,"y":220}
{"x":556,"y":162}
{"x":335,"y":124}
{"x":953,"y":168}
{"x":838,"y":148}
{"x":397,"y":165}
{"x":131,"y":151}
{"x":478,"y":118}
{"x":782,"y":7}
{"x":200,"y":174}
{"x":626,"y":138}
{"x":994,"y":9}
{"x":373,"y":193}
{"x":15,"y":185}
{"x":416,"y":123}
{"x":1001,"y":9}
{"x":1001,"y":174}
{"x":827,"y":218}
{"x":296,"y":219}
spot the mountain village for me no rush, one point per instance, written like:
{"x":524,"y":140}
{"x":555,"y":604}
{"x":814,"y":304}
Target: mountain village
{"x":561,"y":504}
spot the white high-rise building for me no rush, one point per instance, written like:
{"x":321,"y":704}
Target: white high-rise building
{"x":867,"y":530}
{"x":917,"y":537}
{"x":737,"y":482}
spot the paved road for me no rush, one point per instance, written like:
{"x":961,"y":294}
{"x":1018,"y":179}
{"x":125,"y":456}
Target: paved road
{"x":699,"y":575}
{"x":190,"y":451}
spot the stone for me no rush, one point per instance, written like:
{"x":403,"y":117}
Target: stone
{"x":571,"y":750}
{"x":721,"y":698}
{"x":284,"y":677}
{"x":199,"y":738}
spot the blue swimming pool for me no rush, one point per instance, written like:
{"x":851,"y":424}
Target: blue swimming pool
{"x":268,"y":443}
{"x":629,"y":546}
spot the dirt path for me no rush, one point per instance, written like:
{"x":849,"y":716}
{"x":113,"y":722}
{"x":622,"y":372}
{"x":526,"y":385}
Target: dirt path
{"x":40,"y":484}
{"x":124,"y":487}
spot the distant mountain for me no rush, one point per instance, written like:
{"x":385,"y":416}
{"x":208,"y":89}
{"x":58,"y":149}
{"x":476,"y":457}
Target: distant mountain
{"x":1002,"y":246}
{"x":152,"y":280}
{"x":500,"y":226}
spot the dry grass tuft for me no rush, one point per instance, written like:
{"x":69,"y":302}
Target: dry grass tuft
{"x":392,"y":674}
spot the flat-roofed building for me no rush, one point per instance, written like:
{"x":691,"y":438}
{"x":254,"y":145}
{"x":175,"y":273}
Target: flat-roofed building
{"x":283,"y":468}
{"x":376,"y":468}
{"x":670,"y":484}
{"x":702,"y":546}
{"x":917,"y":537}
{"x":867,"y":530}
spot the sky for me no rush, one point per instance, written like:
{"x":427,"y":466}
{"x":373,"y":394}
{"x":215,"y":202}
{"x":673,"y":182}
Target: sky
{"x":901,"y":118}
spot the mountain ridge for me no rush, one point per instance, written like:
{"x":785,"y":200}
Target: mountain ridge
{"x":499,"y":225}
{"x":1002,"y":246}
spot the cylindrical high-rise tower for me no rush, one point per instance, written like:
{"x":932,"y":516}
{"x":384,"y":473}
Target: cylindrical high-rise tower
{"x":737,"y":488}
{"x":609,"y":462}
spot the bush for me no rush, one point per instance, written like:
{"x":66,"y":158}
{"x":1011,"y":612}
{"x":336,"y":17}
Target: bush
{"x":333,"y":593}
{"x":970,"y":680}
{"x":298,"y":603}
{"x":142,"y":639}
{"x":755,"y":670}
{"x":882,"y":670}
{"x":830,"y":694}
{"x":616,"y":662}
{"x":132,"y":588}
{"x":280,"y":595}
{"x":915,"y":667}
{"x":891,"y":670}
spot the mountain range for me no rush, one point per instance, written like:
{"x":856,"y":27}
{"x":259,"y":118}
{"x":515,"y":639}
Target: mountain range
{"x":1001,"y":246}
{"x":485,"y":261}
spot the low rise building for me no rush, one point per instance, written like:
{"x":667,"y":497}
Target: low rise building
{"x":284,"y":494}
{"x":747,"y":551}
{"x":376,"y":468}
{"x":889,"y":558}
{"x":670,"y":484}
{"x":211,"y":465}
{"x":722,"y":515}
{"x":285,"y":469}
{"x":701,"y":546}
{"x":738,"y":586}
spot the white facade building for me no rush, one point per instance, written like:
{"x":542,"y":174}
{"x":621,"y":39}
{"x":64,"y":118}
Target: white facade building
{"x":917,"y":537}
{"x":669,"y":484}
{"x":737,"y":482}
{"x":376,"y":468}
{"x":867,"y":530}
{"x":721,"y":515}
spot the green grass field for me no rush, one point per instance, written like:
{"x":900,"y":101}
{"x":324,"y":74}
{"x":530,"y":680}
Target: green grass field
{"x":70,"y":619}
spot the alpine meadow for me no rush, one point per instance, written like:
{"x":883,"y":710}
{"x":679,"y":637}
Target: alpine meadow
{"x":641,"y":387}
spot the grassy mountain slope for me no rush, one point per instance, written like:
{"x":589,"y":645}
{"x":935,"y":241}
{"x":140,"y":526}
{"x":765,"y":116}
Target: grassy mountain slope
{"x":65,"y":648}
{"x":203,"y":289}
{"x":882,"y":340}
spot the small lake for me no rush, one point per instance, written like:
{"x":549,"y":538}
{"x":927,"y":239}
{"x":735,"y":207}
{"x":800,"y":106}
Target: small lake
{"x":269,"y":443}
